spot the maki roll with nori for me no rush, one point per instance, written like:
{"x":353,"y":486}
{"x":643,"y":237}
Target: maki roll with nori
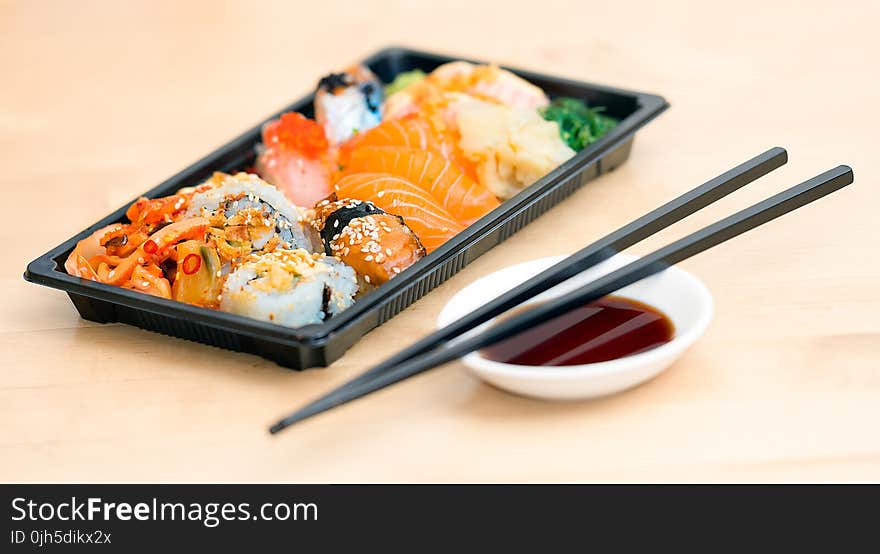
{"x":378,"y":245}
{"x":248,"y":214}
{"x":290,"y":287}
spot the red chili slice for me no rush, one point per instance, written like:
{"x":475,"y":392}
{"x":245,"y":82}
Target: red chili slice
{"x":150,"y":247}
{"x":191,"y":263}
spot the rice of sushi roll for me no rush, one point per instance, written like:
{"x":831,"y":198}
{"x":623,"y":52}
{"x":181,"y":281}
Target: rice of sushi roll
{"x":253,"y":213}
{"x":349,"y":102}
{"x":290,"y":287}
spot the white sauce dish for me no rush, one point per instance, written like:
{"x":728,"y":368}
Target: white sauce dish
{"x":675,"y":292}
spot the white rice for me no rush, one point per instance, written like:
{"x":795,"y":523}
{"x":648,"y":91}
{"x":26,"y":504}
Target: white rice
{"x":297,"y":300}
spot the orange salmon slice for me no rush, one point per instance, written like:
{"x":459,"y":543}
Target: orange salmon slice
{"x":430,"y":221}
{"x":464,"y":198}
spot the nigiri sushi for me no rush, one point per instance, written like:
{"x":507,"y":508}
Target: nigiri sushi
{"x":465,"y":199}
{"x":290,"y":287}
{"x":376,"y":244}
{"x":295,"y":157}
{"x":430,"y":221}
{"x":349,"y":102}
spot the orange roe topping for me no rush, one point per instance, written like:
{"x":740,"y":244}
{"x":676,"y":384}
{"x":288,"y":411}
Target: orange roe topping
{"x":294,"y":131}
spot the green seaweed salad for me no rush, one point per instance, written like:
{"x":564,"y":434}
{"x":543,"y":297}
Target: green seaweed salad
{"x":579,"y":124}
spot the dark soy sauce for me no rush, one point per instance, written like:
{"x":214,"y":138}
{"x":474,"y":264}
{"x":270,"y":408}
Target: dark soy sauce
{"x":609,"y":328}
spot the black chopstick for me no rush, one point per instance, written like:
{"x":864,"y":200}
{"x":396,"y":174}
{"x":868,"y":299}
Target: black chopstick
{"x":624,"y":237}
{"x":704,"y":239}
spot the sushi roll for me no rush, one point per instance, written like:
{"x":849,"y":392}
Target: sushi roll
{"x":248,"y":214}
{"x":290,"y":287}
{"x":349,"y":102}
{"x":376,"y":244}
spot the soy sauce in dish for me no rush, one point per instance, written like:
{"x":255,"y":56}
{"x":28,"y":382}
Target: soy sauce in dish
{"x":609,"y":328}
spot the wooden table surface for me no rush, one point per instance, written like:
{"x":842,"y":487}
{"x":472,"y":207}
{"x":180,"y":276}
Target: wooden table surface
{"x":100,"y":101}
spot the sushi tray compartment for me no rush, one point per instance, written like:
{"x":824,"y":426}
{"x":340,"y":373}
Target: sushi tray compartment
{"x":319,"y":344}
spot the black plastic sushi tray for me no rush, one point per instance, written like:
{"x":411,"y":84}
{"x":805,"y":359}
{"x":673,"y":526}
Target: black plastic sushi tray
{"x":320,"y":345}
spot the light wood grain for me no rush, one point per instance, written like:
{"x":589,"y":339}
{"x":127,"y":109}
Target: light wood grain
{"x":100,"y":101}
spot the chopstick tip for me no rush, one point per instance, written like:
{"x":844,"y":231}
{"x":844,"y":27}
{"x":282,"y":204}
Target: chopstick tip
{"x":281,"y":425}
{"x":296,"y":417}
{"x":779,"y":150}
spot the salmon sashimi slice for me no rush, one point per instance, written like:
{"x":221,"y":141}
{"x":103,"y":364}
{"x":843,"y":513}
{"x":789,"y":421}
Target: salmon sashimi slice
{"x":464,"y":198}
{"x":410,"y":131}
{"x":421,"y":213}
{"x":407,"y":132}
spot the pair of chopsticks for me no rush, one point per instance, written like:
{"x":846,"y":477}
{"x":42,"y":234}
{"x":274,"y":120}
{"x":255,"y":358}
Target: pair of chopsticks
{"x":440,"y":347}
